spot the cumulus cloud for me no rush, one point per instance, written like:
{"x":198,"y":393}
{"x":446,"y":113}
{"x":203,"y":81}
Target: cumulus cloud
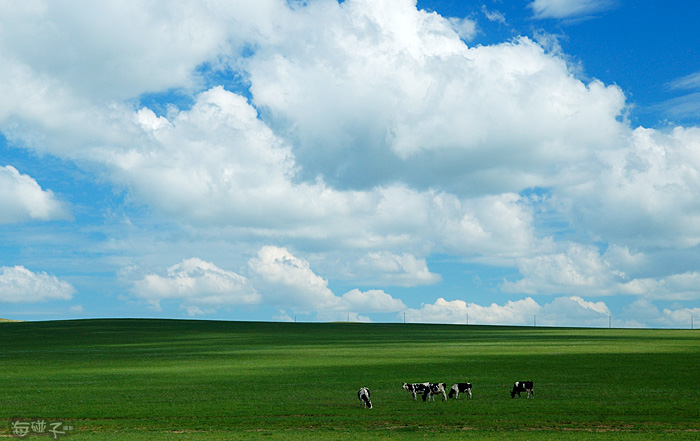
{"x":20,"y":285}
{"x":161,"y":51}
{"x":249,"y":180}
{"x":464,"y":27}
{"x":22,"y":199}
{"x":196,"y":283}
{"x":277,"y":278}
{"x":584,"y":270}
{"x":70,"y":77}
{"x":289,"y":282}
{"x":368,"y":131}
{"x":644,"y":313}
{"x":392,"y":92}
{"x":644,"y":195}
{"x":456,"y":311}
{"x":572,"y":311}
{"x":578,"y":269}
{"x":398,"y":270}
{"x":374,"y":300}
{"x":569,"y":8}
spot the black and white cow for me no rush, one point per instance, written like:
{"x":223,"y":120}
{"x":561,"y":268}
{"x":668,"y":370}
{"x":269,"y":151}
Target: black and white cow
{"x":435,"y":388}
{"x":523,"y":386}
{"x":363,"y":396}
{"x":458,"y":388}
{"x":416,"y":388}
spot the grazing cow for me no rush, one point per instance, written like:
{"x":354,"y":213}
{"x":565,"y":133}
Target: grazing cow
{"x":416,"y":388}
{"x":435,"y":388}
{"x":522,"y":386}
{"x":458,"y":388}
{"x":363,"y":396}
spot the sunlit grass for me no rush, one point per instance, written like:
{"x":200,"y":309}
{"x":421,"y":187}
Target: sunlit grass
{"x":163,"y":379}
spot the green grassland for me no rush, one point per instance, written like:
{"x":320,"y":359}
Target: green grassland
{"x":207,"y":380}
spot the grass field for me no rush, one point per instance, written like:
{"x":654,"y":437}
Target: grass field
{"x":203,"y":380}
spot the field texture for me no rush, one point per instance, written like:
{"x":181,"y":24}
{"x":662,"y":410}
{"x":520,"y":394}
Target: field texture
{"x":200,"y":380}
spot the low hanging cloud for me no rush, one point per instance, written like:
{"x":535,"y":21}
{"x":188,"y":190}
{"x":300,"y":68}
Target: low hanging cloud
{"x":579,"y":269}
{"x":22,"y":199}
{"x":20,"y":285}
{"x":583,"y":270}
{"x":289,"y":282}
{"x":196,"y":283}
{"x":572,"y":311}
{"x":277,"y":278}
{"x":459,"y":311}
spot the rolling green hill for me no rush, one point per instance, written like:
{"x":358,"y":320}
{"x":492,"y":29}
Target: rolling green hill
{"x":169,"y":379}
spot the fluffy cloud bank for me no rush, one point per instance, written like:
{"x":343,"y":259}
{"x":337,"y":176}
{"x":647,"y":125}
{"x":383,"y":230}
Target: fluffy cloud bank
{"x":392,"y":92}
{"x":573,"y":310}
{"x":20,"y":285}
{"x":277,"y":278}
{"x":22,"y":199}
{"x":196,"y":283}
{"x":366,"y":135}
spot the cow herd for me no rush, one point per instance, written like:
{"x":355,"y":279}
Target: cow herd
{"x":429,"y":390}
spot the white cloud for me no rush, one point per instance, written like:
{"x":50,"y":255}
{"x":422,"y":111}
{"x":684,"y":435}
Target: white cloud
{"x":393,"y":90}
{"x":562,"y":311}
{"x":519,"y":312}
{"x":196,"y":283}
{"x":374,"y":135}
{"x":686,"y":106}
{"x":76,"y":309}
{"x":249,"y":181}
{"x":573,"y":311}
{"x":688,"y":82}
{"x":464,"y":27}
{"x":289,"y":282}
{"x":680,"y":318}
{"x":71,"y":74}
{"x":20,"y":285}
{"x":644,"y":313}
{"x":392,"y":269}
{"x":86,"y":49}
{"x":579,"y":269}
{"x":569,"y":8}
{"x":583,"y":270}
{"x":495,"y":16}
{"x":644,"y":195}
{"x":22,"y":199}
{"x":684,"y":286}
{"x":371,"y":301}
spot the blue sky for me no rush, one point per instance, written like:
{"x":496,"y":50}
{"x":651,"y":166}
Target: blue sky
{"x":440,"y":161}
